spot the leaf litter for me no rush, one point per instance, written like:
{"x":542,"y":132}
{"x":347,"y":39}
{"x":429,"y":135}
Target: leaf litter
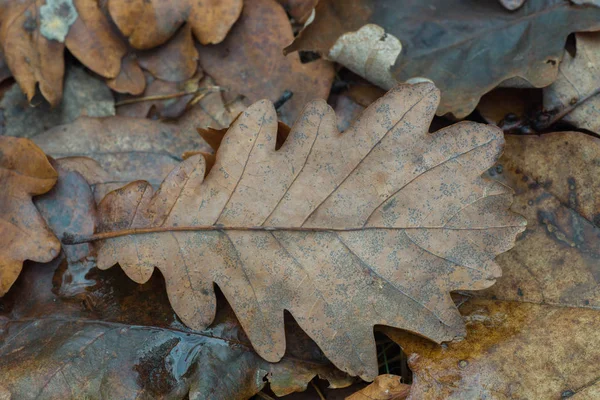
{"x":181,"y":87}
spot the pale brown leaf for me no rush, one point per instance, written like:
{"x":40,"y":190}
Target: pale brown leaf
{"x":374,"y":226}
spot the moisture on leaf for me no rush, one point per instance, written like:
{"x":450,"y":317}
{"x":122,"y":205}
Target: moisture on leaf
{"x":466,"y":48}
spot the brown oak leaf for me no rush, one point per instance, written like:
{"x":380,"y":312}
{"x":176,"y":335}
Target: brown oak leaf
{"x":374,"y":226}
{"x":24,"y":172}
{"x":34,"y":33}
{"x":148,"y":24}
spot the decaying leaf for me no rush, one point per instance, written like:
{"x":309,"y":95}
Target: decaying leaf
{"x":149,"y":24}
{"x":125,"y":341}
{"x":447,"y":42}
{"x":384,"y":387}
{"x":512,"y":350}
{"x":375,"y":226}
{"x":249,"y":62}
{"x":84,"y":95}
{"x":33,"y":35}
{"x":574,"y":96}
{"x":126,"y":148}
{"x":24,"y":172}
{"x":176,"y":61}
{"x":557,"y":259}
{"x":538,"y":336}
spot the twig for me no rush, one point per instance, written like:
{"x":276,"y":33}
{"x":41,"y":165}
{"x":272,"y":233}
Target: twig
{"x":202,"y":91}
{"x":318,"y":390}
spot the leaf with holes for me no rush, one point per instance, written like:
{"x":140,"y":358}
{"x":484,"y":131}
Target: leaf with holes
{"x":345,"y":231}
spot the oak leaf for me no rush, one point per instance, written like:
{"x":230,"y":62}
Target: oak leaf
{"x":34,"y":33}
{"x":72,"y":321}
{"x":547,"y":297}
{"x":373,"y":226}
{"x":575,"y":95}
{"x":148,"y":24}
{"x":249,"y":62}
{"x":24,"y":172}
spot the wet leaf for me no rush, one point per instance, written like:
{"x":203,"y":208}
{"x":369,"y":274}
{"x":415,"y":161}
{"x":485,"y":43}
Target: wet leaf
{"x":447,"y":42}
{"x":557,"y":259}
{"x":84,"y":95}
{"x":249,"y":62}
{"x":24,"y":172}
{"x":149,"y":24}
{"x":574,"y":96}
{"x":90,"y":334}
{"x":512,"y":350}
{"x":384,"y":387}
{"x":33,"y":34}
{"x":375,"y":226}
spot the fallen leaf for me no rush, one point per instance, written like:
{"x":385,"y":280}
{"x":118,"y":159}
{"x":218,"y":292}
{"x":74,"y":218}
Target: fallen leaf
{"x":84,"y":95}
{"x":512,"y":350}
{"x":123,"y":340}
{"x":342,"y":239}
{"x":175,"y":61}
{"x":249,"y":62}
{"x":447,"y":42}
{"x":126,"y":148}
{"x":24,"y":172}
{"x":130,"y":78}
{"x":149,"y":24}
{"x":33,"y":35}
{"x":542,"y":314}
{"x":384,"y":387}
{"x":556,"y":260}
{"x":574,"y":96}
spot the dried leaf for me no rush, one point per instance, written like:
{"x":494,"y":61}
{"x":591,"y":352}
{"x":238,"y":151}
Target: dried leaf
{"x":574,"y":96}
{"x":24,"y":172}
{"x":149,"y":24}
{"x":384,"y":387}
{"x":375,"y":226}
{"x":512,"y":350}
{"x":249,"y":62}
{"x":126,"y":148}
{"x":447,"y":42}
{"x":556,"y":261}
{"x":176,"y":61}
{"x":125,"y":341}
{"x":544,"y":315}
{"x":130,"y":78}
{"x":33,"y":35}
{"x":84,"y":95}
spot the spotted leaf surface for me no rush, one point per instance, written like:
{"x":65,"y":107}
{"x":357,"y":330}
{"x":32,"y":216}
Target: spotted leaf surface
{"x":375,"y":225}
